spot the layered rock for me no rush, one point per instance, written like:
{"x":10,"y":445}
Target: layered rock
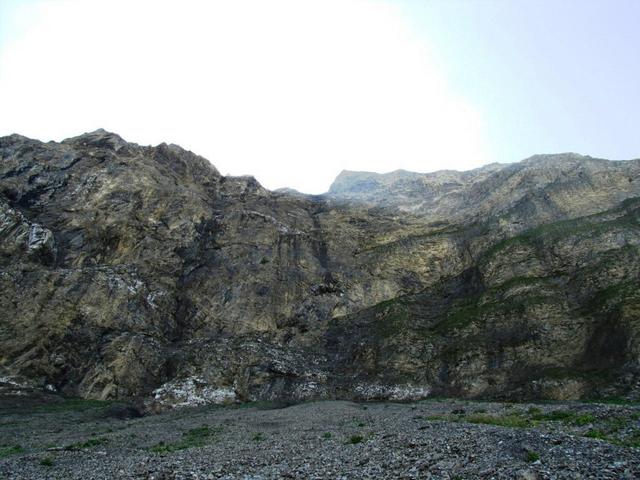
{"x":141,"y":271}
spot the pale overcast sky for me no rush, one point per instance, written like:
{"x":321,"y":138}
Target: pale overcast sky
{"x":294,"y":91}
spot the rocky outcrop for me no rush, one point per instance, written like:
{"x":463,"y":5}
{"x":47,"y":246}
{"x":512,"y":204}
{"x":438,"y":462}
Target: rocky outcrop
{"x":131,"y":271}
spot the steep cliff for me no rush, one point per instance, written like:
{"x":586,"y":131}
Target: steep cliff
{"x":131,"y":271}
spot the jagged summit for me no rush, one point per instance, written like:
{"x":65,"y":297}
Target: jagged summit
{"x":450,"y":194}
{"x":98,"y":138}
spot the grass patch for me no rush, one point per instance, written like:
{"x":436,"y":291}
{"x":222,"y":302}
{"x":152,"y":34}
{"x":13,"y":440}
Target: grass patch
{"x":511,"y":421}
{"x":258,"y":437}
{"x":632,"y":440}
{"x":8,"y":424}
{"x":8,"y":450}
{"x":618,"y":430}
{"x":565,"y":416}
{"x":47,"y":462}
{"x":520,"y":281}
{"x":612,"y":294}
{"x":326,"y":435}
{"x":528,"y":419}
{"x":584,"y":419}
{"x":92,"y":442}
{"x":610,"y":432}
{"x":355,"y":439}
{"x":596,"y":433}
{"x":591,"y":225}
{"x":72,"y":405}
{"x":196,"y":437}
{"x":459,"y":317}
{"x":474,"y":308}
{"x":390,"y":317}
{"x":531,"y":456}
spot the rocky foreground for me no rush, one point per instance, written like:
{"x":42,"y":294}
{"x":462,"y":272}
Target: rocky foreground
{"x":443,"y":439}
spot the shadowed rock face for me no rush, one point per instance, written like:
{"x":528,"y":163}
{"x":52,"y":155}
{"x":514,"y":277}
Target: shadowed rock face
{"x":130,"y":271}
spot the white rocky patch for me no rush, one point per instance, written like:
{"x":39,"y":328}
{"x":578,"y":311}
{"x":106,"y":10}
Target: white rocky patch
{"x":392,"y":392}
{"x":133,"y":288}
{"x":309,"y":390}
{"x":281,"y":227}
{"x":116,"y":282}
{"x":39,"y":237}
{"x":13,"y":387}
{"x":9,"y":218}
{"x":192,"y":391}
{"x":153,"y":296}
{"x":9,"y":381}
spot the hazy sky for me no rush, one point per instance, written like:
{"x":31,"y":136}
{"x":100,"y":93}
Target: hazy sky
{"x":295,"y":91}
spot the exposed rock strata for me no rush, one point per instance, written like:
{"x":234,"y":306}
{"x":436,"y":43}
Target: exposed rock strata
{"x":141,"y":271}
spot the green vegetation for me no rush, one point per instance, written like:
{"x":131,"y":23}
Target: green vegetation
{"x":7,"y":450}
{"x":615,"y":257}
{"x":8,"y":424}
{"x":632,"y":440}
{"x":565,"y":416}
{"x":618,"y":430}
{"x":397,"y":315}
{"x":354,"y":439}
{"x":520,"y":281}
{"x":531,"y":456}
{"x":196,"y":437}
{"x":459,"y":317}
{"x":407,"y":241}
{"x":504,"y":244}
{"x":465,"y":312}
{"x":631,"y":203}
{"x":595,"y":433}
{"x":391,"y":303}
{"x":611,"y":294}
{"x":47,"y":462}
{"x":584,"y":419}
{"x":92,"y":442}
{"x":391,"y":317}
{"x":258,"y":437}
{"x":512,"y":421}
{"x":592,"y":225}
{"x":326,"y":435}
{"x":72,"y":405}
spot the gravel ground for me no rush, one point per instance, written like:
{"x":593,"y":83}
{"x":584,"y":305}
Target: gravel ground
{"x":446,"y":439}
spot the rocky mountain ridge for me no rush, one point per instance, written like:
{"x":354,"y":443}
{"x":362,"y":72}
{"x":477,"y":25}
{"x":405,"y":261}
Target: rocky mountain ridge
{"x":132,"y":271}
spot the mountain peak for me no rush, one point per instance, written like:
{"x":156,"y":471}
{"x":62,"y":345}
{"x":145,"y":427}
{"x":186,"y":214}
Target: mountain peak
{"x":99,"y":138}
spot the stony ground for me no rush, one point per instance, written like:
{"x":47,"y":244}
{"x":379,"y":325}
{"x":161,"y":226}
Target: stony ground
{"x":448,"y":439}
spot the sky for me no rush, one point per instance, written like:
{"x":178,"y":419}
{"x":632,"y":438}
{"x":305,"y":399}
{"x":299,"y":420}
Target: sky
{"x":294,"y":91}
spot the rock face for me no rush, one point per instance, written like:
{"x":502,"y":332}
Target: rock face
{"x":131,"y":271}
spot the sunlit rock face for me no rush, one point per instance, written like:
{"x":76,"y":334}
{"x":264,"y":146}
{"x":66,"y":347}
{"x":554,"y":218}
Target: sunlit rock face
{"x":131,"y":271}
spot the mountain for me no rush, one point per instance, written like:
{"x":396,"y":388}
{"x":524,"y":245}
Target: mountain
{"x":132,"y":271}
